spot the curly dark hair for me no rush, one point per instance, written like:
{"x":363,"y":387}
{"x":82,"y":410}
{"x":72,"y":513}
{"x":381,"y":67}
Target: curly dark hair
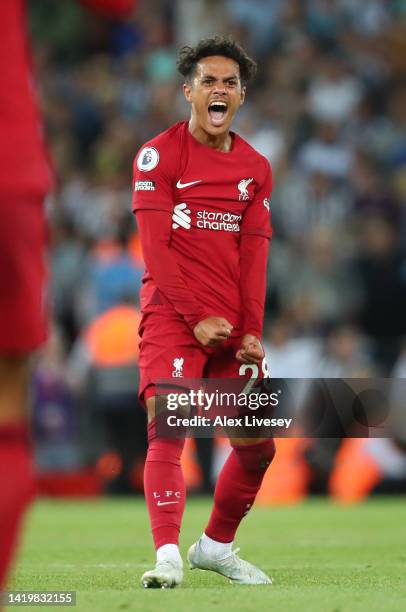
{"x":217,"y":45}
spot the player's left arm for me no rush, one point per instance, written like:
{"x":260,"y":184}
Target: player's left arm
{"x":256,"y":232}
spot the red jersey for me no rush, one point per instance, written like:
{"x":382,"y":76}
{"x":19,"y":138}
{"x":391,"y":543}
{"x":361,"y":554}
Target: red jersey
{"x":214,"y":198}
{"x":24,"y":167}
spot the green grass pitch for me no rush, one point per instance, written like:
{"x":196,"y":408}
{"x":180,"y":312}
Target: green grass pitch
{"x":322,"y":557}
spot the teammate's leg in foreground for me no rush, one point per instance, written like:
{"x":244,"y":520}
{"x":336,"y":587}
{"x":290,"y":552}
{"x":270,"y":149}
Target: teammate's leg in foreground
{"x":165,"y":494}
{"x":237,"y":486}
{"x":22,"y":331}
{"x":16,"y":474}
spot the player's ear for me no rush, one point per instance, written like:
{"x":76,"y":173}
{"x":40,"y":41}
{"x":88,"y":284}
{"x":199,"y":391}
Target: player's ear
{"x":242,"y":98}
{"x":187,"y":91}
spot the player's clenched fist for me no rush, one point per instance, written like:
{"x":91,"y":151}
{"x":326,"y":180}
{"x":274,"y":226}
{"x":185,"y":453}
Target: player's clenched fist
{"x":251,"y":350}
{"x":212,"y":331}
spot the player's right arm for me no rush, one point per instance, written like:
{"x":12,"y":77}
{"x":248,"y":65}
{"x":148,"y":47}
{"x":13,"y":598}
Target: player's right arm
{"x":153,"y":205}
{"x":155,"y":229}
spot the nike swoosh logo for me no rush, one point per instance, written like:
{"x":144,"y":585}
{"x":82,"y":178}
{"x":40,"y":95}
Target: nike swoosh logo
{"x":180,"y":185}
{"x":161,"y":503}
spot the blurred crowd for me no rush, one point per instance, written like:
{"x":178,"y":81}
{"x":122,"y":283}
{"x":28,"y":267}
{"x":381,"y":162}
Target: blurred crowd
{"x":328,"y":109}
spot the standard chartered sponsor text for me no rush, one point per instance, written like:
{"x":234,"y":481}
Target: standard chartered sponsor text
{"x":218,"y":221}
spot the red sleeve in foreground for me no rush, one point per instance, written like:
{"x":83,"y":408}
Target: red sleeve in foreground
{"x":155,"y":231}
{"x":253,"y":265}
{"x":111,"y":8}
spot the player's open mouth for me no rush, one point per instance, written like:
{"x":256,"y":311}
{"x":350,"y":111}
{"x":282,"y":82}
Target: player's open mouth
{"x":217,"y":113}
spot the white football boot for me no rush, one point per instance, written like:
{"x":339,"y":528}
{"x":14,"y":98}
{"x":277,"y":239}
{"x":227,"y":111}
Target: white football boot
{"x":166,"y":575}
{"x":232,"y":567}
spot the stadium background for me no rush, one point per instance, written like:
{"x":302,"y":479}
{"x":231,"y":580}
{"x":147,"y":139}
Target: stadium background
{"x":328,"y":108}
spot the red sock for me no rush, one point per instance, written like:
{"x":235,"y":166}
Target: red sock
{"x":237,"y":486}
{"x":164,"y":487}
{"x":16,"y":491}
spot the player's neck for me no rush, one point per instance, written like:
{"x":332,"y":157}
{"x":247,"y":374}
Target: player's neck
{"x":221,"y":142}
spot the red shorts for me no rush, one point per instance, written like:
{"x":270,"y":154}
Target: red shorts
{"x":168,"y":349}
{"x":23,"y":238}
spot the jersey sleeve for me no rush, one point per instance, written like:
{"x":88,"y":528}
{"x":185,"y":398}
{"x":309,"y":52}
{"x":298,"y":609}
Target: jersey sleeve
{"x":155,"y":233}
{"x":253,"y":265}
{"x":153,"y":179}
{"x":256,"y":220}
